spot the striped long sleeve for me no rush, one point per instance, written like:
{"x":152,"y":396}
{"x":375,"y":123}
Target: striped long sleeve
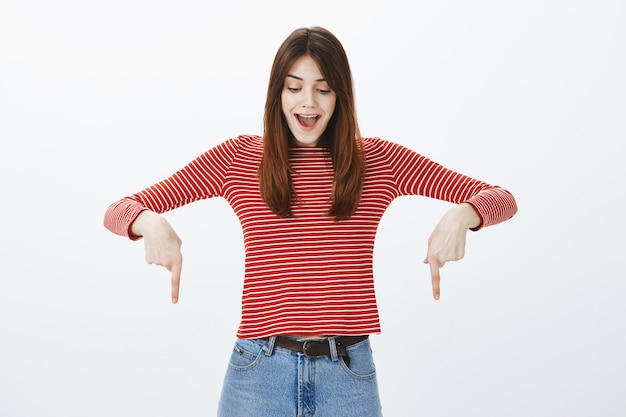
{"x":309,"y":274}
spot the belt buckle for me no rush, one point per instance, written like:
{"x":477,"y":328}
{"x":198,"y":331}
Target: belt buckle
{"x":305,"y":347}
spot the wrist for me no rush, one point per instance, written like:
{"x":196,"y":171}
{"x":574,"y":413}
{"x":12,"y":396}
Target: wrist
{"x":144,"y":222}
{"x":469,"y":216}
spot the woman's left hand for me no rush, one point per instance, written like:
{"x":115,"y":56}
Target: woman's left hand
{"x":447,"y":241}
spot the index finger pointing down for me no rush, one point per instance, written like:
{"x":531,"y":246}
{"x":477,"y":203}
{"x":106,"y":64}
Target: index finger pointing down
{"x":436,"y":279}
{"x":176,"y":269}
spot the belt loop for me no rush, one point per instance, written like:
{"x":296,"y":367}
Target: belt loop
{"x":333,"y":349}
{"x":269,"y":349}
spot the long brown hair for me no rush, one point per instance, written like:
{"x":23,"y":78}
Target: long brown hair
{"x":341,"y":137}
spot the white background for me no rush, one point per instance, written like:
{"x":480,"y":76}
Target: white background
{"x":99,"y":99}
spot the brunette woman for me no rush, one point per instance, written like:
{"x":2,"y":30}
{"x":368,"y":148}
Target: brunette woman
{"x":309,"y":194}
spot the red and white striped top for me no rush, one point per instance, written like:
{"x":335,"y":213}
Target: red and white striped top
{"x":308,"y":274}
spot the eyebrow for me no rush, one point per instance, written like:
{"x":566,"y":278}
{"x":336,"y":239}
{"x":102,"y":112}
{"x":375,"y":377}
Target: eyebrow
{"x":302,"y":79}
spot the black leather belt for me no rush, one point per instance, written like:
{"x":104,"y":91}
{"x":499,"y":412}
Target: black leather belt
{"x":316,"y":348}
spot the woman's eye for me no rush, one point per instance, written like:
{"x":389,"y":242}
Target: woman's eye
{"x":293,"y":89}
{"x":322,"y":91}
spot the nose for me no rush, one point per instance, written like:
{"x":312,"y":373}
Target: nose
{"x":308,"y":98}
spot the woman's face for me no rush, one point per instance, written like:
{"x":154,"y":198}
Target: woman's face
{"x":307,"y":100}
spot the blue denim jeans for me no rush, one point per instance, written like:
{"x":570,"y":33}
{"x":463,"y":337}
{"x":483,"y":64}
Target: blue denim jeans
{"x":264,"y":380}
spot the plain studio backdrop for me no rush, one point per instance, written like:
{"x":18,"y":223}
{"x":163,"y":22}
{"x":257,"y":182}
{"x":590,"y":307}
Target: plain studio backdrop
{"x":99,"y":99}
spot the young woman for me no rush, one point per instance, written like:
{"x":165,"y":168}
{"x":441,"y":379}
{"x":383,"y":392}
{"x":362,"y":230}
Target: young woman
{"x":309,"y":195}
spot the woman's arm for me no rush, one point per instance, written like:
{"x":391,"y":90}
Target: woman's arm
{"x":139,"y":215}
{"x":477,"y":203}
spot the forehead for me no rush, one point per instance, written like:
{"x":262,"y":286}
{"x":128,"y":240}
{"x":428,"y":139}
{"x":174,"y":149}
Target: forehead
{"x":305,"y":68}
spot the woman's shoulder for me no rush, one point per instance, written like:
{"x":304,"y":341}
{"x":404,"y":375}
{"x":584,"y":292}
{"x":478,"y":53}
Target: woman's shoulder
{"x":248,"y":141}
{"x":376,"y":146}
{"x":253,"y":139}
{"x":382,"y":151}
{"x":371,"y":144}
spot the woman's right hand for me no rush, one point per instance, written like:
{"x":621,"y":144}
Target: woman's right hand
{"x":162,"y":245}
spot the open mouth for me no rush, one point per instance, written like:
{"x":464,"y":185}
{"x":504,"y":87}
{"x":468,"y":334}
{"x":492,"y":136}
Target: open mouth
{"x":307,"y":120}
